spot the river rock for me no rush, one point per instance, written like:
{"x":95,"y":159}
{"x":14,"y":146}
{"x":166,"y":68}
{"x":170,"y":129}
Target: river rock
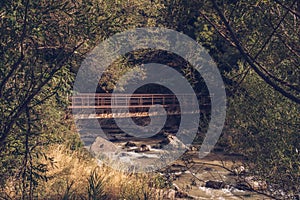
{"x":174,"y":143}
{"x":143,"y":148}
{"x":157,"y":146}
{"x":102,"y":145}
{"x":256,"y":184}
{"x":193,"y":148}
{"x":252,"y":183}
{"x":240,"y":170}
{"x":130,"y":144}
{"x":182,"y":195}
{"x":215,"y":184}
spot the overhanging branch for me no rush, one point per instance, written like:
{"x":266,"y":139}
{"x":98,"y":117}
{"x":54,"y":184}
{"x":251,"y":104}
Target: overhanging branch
{"x":250,"y":61}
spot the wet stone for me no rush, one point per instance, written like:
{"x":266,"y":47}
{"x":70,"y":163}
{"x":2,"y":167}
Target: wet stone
{"x":215,"y":184}
{"x":143,"y":148}
{"x":130,"y":144}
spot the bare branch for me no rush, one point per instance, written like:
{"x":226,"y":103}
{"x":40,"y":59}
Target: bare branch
{"x":218,"y":29}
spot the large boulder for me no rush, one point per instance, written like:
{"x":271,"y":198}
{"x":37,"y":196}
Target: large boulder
{"x":101,"y":145}
{"x":173,"y":143}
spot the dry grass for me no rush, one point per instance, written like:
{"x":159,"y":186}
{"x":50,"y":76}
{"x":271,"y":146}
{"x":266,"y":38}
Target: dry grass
{"x":77,"y":175}
{"x":73,"y":169}
{"x":70,"y":168}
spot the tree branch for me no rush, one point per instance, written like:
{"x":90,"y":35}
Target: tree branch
{"x":19,"y":109}
{"x":272,"y":34}
{"x":289,"y":9}
{"x":217,"y":29}
{"x":251,"y":62}
{"x":16,"y":64}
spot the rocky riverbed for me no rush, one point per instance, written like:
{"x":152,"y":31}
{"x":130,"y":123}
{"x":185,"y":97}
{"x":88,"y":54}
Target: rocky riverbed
{"x":217,"y":176}
{"x":214,"y":177}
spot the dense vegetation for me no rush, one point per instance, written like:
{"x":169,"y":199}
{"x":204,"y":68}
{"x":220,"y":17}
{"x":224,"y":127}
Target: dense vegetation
{"x":42,"y":43}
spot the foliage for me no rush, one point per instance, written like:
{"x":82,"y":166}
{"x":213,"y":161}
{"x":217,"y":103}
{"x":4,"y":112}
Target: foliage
{"x":259,"y":31}
{"x":250,"y":38}
{"x":137,"y":188}
{"x":38,"y":40}
{"x":265,"y":128}
{"x":96,"y":186}
{"x":42,"y":43}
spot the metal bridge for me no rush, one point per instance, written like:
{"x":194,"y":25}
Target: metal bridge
{"x":100,"y":105}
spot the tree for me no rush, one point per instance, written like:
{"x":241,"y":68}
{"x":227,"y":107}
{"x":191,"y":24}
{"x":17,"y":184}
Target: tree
{"x":258,"y":29}
{"x":255,"y":44}
{"x":42,"y":44}
{"x":264,"y":84}
{"x":38,"y":43}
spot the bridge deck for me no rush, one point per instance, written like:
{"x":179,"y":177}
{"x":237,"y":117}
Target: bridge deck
{"x":138,"y":104}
